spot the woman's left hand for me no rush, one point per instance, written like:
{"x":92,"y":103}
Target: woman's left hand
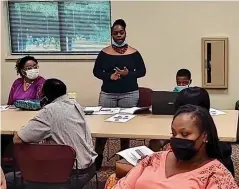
{"x":123,"y":72}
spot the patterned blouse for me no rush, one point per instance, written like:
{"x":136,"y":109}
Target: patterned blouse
{"x":150,"y":174}
{"x":17,"y":91}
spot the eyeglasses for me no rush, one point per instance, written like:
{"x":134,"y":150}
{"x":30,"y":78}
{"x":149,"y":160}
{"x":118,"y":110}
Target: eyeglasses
{"x":31,"y":67}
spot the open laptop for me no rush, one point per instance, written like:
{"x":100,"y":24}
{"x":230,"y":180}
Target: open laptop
{"x":163,"y":102}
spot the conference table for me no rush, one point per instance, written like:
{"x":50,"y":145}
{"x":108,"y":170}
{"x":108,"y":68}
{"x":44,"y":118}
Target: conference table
{"x":145,"y":126}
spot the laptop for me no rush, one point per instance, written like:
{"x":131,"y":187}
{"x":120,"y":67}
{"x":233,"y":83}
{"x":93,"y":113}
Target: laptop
{"x":163,"y":102}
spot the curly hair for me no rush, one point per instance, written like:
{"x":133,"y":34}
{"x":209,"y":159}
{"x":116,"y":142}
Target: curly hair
{"x":22,"y":61}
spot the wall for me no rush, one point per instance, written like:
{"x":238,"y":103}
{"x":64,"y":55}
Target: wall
{"x":168,"y":35}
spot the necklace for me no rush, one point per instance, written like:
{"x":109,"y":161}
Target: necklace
{"x":26,"y":85}
{"x":120,"y":50}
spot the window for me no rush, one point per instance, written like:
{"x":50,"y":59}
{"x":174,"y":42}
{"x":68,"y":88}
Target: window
{"x":59,"y":27}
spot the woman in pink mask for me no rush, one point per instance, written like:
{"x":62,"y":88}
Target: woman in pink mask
{"x":29,"y":85}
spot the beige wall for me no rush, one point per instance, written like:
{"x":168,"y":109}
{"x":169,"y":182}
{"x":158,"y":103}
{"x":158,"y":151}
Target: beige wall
{"x":168,"y":35}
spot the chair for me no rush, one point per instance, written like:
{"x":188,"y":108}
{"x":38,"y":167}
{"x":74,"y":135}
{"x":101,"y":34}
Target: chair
{"x":237,"y":105}
{"x":145,"y":97}
{"x":145,"y":100}
{"x":45,"y":166}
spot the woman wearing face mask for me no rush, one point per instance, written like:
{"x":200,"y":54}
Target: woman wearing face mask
{"x":29,"y":85}
{"x":193,"y":162}
{"x":118,"y":66}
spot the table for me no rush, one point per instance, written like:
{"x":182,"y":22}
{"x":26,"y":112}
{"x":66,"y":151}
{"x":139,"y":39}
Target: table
{"x":146,"y":126}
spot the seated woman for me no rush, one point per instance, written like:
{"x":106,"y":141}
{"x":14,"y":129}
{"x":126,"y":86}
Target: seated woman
{"x":29,"y":85}
{"x":200,"y":97}
{"x":194,"y":160}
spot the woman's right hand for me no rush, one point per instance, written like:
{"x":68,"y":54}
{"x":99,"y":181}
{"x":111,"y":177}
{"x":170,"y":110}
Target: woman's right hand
{"x":115,"y":76}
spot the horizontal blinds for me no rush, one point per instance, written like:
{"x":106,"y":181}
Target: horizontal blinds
{"x":59,"y":27}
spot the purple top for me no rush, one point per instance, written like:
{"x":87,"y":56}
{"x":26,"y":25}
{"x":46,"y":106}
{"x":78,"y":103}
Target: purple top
{"x":32,"y":93}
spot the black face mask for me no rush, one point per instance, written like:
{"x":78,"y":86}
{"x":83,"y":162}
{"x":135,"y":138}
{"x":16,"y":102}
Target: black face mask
{"x":183,"y":149}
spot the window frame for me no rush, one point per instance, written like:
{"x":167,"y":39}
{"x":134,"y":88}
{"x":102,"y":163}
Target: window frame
{"x":48,"y":55}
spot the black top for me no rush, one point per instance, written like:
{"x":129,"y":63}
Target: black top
{"x":105,"y":65}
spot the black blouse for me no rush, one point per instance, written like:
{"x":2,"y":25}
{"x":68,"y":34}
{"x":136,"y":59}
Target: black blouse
{"x":105,"y":65}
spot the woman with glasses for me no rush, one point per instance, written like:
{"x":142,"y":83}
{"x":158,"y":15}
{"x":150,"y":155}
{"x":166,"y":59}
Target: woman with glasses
{"x":29,"y":85}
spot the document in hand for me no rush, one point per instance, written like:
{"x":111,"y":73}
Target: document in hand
{"x":133,"y":155}
{"x":120,"y":118}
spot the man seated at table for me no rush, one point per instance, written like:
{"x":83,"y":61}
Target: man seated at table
{"x":61,"y":121}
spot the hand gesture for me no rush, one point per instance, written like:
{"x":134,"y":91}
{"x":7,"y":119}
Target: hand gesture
{"x":115,"y":76}
{"x":123,"y":72}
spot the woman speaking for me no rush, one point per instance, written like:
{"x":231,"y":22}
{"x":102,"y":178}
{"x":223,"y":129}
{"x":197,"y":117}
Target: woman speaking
{"x":118,"y":66}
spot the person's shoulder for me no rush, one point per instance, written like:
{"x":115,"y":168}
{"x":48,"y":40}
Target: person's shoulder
{"x":215,"y":173}
{"x":107,"y":50}
{"x":17,"y":81}
{"x":155,"y":158}
{"x":40,"y":79}
{"x":132,"y":50}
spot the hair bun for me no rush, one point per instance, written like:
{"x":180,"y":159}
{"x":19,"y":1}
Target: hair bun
{"x":120,"y":22}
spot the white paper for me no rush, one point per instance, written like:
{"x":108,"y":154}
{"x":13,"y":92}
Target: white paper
{"x":215,"y":112}
{"x":120,"y":118}
{"x":130,"y":110}
{"x":133,"y":155}
{"x":4,"y":108}
{"x":95,"y":109}
{"x":107,"y":111}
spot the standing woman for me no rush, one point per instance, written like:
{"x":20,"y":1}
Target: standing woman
{"x":118,"y":66}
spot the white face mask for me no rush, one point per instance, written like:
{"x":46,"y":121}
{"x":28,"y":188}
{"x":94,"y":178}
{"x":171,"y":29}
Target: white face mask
{"x":32,"y":74}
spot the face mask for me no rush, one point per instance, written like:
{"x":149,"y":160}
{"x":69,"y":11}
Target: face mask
{"x":32,"y":74}
{"x":119,"y":45}
{"x":183,"y":149}
{"x":180,"y":88}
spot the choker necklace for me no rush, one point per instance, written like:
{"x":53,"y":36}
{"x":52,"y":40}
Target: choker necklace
{"x":120,"y":50}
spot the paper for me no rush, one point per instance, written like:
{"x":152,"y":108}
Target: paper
{"x":4,"y":108}
{"x":94,"y":109}
{"x":133,"y":155}
{"x":215,"y":112}
{"x":120,"y":118}
{"x":107,"y":111}
{"x":130,"y":110}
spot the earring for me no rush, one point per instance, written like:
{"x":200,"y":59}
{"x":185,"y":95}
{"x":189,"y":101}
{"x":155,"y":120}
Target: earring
{"x":206,"y":141}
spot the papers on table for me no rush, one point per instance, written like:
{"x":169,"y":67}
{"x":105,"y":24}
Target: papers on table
{"x":133,"y":155}
{"x":133,"y":110}
{"x":4,"y":108}
{"x":94,"y":109}
{"x":98,"y":110}
{"x":107,"y":111}
{"x":215,"y":112}
{"x":120,"y":118}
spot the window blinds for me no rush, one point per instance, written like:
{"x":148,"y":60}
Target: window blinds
{"x":48,"y":27}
